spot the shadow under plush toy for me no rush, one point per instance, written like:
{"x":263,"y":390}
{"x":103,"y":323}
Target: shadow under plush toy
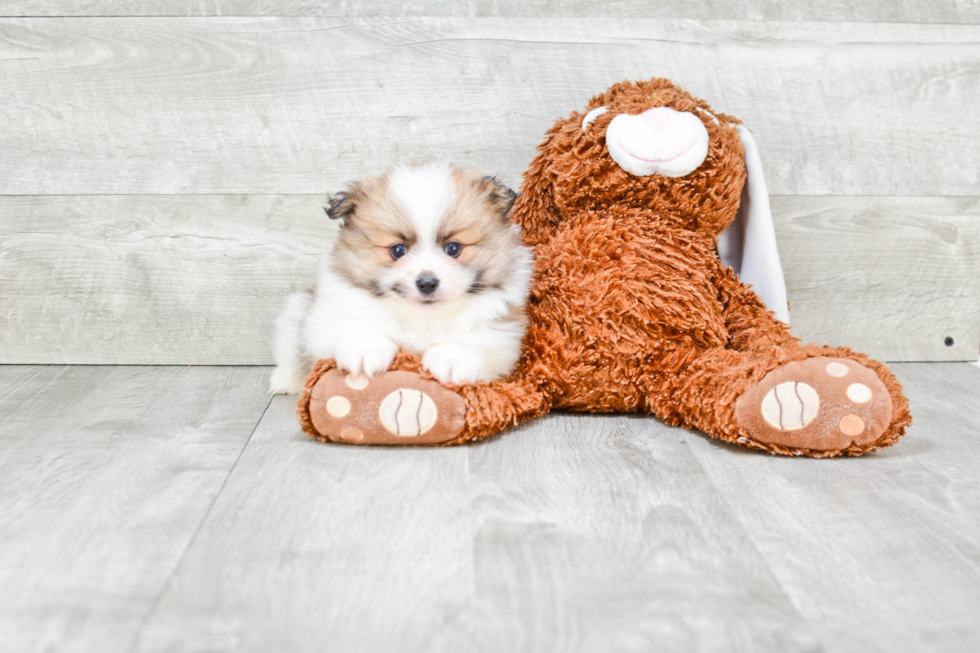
{"x":631,"y":308}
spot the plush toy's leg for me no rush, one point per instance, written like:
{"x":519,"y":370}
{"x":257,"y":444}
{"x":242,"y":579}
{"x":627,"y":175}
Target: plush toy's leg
{"x":750,"y":325}
{"x":816,"y":401}
{"x":406,"y":406}
{"x":802,"y":400}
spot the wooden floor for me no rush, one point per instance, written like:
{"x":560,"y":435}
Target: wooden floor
{"x":179,"y":509}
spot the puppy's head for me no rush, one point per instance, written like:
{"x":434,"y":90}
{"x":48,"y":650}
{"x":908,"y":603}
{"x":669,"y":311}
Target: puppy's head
{"x":426,"y":234}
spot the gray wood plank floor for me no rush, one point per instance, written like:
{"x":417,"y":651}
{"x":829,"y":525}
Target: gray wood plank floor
{"x":106,"y":473}
{"x":176,"y":509}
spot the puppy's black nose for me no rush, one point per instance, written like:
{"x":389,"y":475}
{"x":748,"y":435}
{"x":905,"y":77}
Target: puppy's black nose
{"x":427,"y":284}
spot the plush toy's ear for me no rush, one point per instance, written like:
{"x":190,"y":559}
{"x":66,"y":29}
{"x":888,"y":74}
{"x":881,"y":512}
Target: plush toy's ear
{"x":748,"y":245}
{"x":536,"y":210}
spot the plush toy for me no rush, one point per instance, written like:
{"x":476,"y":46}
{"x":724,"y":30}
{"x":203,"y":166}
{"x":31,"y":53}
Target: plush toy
{"x":631,"y":308}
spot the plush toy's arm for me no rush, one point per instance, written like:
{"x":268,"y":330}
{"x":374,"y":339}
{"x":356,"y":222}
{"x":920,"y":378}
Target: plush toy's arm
{"x":407,"y":406}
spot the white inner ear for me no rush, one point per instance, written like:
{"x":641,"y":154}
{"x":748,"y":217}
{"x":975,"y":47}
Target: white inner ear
{"x":748,"y":245}
{"x":592,"y":115}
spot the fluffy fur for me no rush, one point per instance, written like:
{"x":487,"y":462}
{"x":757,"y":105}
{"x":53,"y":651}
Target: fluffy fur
{"x":426,"y":261}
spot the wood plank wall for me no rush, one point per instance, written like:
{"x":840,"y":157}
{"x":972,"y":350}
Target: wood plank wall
{"x":163,"y":164}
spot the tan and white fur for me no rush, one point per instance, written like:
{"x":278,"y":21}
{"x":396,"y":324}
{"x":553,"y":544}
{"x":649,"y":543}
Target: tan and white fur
{"x":427,"y":260}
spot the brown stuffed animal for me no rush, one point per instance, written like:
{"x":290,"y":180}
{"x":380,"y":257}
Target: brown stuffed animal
{"x":631,"y":308}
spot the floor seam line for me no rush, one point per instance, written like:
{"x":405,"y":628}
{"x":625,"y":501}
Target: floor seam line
{"x":723,"y":497}
{"x":190,"y":543}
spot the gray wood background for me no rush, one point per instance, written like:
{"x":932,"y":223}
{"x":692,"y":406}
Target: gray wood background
{"x":161,"y":177}
{"x":915,"y":11}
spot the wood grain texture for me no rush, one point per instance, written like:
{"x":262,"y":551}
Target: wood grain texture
{"x":291,"y":105}
{"x":887,"y":11}
{"x":603,"y":533}
{"x":892,"y":277}
{"x":105,"y":475}
{"x":127,"y":524}
{"x":880,"y":553}
{"x":200,"y":279}
{"x":344,"y":545}
{"x":574,"y":534}
{"x":153,"y":280}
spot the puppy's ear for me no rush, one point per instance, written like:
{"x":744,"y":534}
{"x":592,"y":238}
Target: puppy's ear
{"x":500,"y":197}
{"x":341,"y":205}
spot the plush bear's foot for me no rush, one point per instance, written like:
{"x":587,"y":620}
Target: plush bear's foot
{"x":819,"y":404}
{"x":392,"y":408}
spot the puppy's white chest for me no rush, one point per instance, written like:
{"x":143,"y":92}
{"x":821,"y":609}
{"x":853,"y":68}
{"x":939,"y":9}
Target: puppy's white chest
{"x":417,"y":333}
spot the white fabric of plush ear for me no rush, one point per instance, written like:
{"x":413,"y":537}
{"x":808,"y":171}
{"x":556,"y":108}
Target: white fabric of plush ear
{"x":748,"y":245}
{"x":592,"y":115}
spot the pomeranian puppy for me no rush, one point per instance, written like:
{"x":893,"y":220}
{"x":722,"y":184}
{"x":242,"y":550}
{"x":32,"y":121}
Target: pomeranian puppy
{"x":427,"y":260}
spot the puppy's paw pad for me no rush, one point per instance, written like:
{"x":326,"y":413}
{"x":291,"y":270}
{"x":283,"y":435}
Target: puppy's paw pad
{"x":823,"y":404}
{"x":392,"y":408}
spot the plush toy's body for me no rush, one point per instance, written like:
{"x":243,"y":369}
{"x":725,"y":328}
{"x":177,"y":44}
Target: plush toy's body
{"x":631,"y":308}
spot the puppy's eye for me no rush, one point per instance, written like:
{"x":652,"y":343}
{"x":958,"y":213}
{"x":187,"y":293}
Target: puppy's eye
{"x":452,"y":249}
{"x":397,"y":251}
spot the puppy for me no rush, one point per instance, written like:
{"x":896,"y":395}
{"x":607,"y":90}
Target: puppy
{"x":427,"y":260}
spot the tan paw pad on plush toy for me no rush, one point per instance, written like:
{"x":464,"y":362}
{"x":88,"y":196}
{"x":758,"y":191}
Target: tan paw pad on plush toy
{"x":820,"y":403}
{"x":394,"y":408}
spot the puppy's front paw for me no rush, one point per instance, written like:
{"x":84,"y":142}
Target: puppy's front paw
{"x":452,"y":363}
{"x":366,"y":353}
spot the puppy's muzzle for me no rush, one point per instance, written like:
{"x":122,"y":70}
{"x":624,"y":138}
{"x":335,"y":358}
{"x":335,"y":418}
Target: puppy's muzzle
{"x":427,"y":284}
